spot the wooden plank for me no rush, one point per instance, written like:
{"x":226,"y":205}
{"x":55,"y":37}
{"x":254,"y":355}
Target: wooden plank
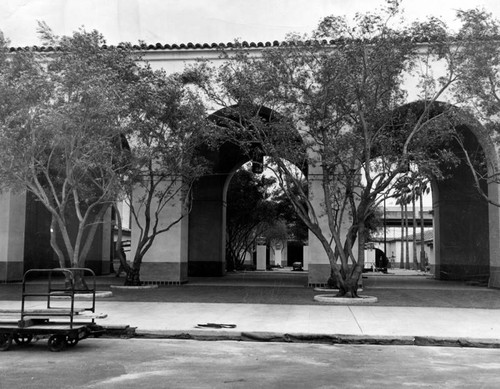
{"x":83,"y":313}
{"x":38,"y":326}
{"x":53,"y":311}
{"x":41,"y":328}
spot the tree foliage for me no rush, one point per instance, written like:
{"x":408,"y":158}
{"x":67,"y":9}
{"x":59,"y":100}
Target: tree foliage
{"x":477,"y":87}
{"x":296,"y":228}
{"x":60,"y":134}
{"x":85,"y":125}
{"x":257,"y":209}
{"x":166,"y":126}
{"x":249,"y":213}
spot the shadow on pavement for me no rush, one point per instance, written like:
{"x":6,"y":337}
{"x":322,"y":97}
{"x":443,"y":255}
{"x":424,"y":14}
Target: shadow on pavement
{"x":400,"y":289}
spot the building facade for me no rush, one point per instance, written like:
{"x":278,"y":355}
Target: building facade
{"x":466,"y":229}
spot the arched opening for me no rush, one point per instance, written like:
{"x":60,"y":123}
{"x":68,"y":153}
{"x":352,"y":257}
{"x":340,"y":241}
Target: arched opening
{"x":263,"y":230}
{"x":461,"y":216}
{"x":207,"y":220}
{"x":465,"y":226}
{"x":402,"y":235}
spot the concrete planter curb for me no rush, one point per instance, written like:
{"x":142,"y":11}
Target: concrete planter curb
{"x":334,"y":300}
{"x":85,"y":296}
{"x":125,"y":287}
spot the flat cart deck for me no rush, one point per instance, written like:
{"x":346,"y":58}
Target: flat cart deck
{"x":64,"y":326}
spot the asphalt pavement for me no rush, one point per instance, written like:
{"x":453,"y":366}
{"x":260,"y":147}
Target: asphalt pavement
{"x":179,"y":364}
{"x":412,"y":308}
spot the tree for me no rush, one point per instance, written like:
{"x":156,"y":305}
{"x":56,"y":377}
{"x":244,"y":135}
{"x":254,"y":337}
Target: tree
{"x":414,"y":231}
{"x":477,"y":90}
{"x":249,"y":212}
{"x":402,"y":193}
{"x":60,"y":132}
{"x":276,"y":237}
{"x":166,"y":126}
{"x":85,"y":125}
{"x":421,"y":190}
{"x":255,"y":208}
{"x":403,"y":235}
{"x":418,"y":187}
{"x":296,"y":228}
{"x":341,"y":89}
{"x":407,"y":189}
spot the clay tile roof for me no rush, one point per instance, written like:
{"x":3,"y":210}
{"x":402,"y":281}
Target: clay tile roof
{"x":206,"y":45}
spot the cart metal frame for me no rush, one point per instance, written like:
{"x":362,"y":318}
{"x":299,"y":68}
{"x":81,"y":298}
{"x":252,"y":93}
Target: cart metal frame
{"x":38,"y":322}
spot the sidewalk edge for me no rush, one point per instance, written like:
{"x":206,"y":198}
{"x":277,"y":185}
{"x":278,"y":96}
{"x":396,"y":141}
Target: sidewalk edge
{"x":318,"y":338}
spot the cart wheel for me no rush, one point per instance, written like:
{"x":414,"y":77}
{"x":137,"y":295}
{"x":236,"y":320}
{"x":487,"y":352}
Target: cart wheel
{"x":23,"y":339}
{"x":71,"y":341}
{"x":57,"y":342}
{"x":5,"y":342}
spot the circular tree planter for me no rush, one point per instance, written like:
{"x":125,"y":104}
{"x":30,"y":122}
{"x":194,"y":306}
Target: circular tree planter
{"x":138,"y":287}
{"x":86,"y":296}
{"x":334,"y":300}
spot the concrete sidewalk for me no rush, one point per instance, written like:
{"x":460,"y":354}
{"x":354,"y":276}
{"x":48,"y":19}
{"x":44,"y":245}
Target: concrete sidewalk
{"x":314,"y":322}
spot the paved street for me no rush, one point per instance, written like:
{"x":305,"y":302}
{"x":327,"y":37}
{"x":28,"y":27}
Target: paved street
{"x":152,"y":363}
{"x":320,"y":346}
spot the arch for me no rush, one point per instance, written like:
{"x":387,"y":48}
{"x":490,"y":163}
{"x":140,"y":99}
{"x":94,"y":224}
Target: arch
{"x":466,"y":227}
{"x":207,"y":228}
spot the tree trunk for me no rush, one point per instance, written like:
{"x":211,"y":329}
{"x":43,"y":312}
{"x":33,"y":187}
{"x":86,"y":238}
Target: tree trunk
{"x":343,"y":276}
{"x":414,"y":243}
{"x":133,"y":272}
{"x":350,"y":274}
{"x":77,"y":279}
{"x":407,"y":243}
{"x":133,"y":277}
{"x":422,"y":237}
{"x":230,"y":261}
{"x":119,"y":252}
{"x":54,"y":244}
{"x":87,"y":245}
{"x":402,"y":259}
{"x":80,"y":283}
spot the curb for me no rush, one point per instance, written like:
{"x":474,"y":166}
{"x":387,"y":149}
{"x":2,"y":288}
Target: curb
{"x":119,"y":331}
{"x":123,"y":287}
{"x":86,"y":296}
{"x":330,"y":290}
{"x":341,"y":339}
{"x":334,"y":300}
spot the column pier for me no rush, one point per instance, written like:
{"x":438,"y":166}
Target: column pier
{"x":12,"y":234}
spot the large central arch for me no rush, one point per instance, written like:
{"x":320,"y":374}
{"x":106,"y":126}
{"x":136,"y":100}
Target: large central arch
{"x":207,"y":219}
